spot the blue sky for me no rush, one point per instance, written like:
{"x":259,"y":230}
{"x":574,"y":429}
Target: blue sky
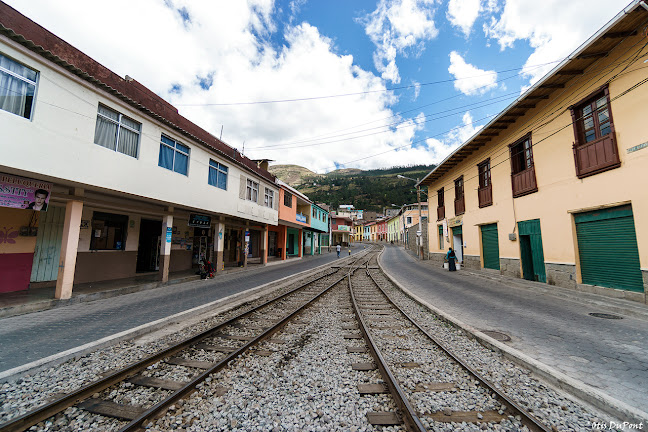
{"x":419,"y":76}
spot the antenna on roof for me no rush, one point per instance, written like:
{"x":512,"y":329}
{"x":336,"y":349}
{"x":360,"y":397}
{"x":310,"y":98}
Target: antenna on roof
{"x":243,"y":152}
{"x":221,"y":135}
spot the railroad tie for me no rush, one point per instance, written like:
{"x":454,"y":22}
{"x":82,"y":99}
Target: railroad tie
{"x":384,"y":418}
{"x":364,"y":366}
{"x":111,"y":409}
{"x":370,"y":389}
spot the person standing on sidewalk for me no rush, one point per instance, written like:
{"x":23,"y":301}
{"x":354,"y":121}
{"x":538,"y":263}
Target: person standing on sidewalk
{"x":452,"y":258}
{"x":339,"y":248}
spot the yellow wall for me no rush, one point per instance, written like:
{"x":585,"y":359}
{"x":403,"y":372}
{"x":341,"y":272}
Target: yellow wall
{"x":10,"y":222}
{"x":560,"y":192}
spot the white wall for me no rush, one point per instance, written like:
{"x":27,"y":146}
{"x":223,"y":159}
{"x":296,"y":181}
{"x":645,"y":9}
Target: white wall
{"x":59,"y":142}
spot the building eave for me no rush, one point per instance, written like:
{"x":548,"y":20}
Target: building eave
{"x":598,"y":45}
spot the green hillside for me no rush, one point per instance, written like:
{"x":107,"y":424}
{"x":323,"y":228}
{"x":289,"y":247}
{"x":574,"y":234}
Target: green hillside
{"x":370,"y":190}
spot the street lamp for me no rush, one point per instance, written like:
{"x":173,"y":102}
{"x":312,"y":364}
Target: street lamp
{"x":420,"y":224}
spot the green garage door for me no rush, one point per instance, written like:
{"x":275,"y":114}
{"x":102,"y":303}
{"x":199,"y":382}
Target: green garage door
{"x":490,"y":246}
{"x":607,"y":246}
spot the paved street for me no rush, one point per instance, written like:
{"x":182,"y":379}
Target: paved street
{"x":610,"y":355}
{"x":30,"y":337}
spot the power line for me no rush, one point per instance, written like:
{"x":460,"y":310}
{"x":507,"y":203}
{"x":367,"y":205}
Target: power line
{"x":369,"y":91}
{"x":529,"y":123}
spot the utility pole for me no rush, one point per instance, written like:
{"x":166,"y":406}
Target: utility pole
{"x":420,"y":224}
{"x":419,"y":238}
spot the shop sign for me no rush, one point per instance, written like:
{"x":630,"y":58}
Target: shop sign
{"x":455,"y":221}
{"x":169,"y":234}
{"x":301,"y":218}
{"x":638,"y":147}
{"x":25,"y":193}
{"x":344,"y":228}
{"x":201,"y":221}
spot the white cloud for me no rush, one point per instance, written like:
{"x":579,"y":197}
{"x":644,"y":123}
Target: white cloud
{"x":171,"y":46}
{"x":552,"y":35}
{"x":440,"y":149}
{"x":398,"y":27}
{"x":469,"y":79}
{"x":463,"y":13}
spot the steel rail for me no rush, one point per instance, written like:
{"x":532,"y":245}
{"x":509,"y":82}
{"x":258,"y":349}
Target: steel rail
{"x":410,"y":418}
{"x":52,"y":408}
{"x":190,"y":387}
{"x":528,"y":419}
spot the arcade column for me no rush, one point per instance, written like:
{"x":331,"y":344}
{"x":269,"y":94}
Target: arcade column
{"x":165,"y":247}
{"x":69,"y":247}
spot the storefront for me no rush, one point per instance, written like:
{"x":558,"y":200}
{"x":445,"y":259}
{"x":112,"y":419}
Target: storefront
{"x":23,"y":203}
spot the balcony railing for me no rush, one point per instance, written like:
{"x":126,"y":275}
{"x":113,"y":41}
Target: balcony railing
{"x":485,"y":195}
{"x":460,"y":206}
{"x":440,"y":212}
{"x":524,"y":182}
{"x":596,"y":156}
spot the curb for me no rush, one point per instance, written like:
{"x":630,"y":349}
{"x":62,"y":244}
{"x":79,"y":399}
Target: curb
{"x":11,"y":311}
{"x":578,"y":389}
{"x":217,"y":306}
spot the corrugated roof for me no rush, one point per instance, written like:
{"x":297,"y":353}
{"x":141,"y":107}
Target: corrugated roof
{"x":26,"y":32}
{"x":624,"y":24}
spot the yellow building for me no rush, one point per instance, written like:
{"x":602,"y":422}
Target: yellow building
{"x":554,"y":188}
{"x":357,"y":231}
{"x":393,"y":229}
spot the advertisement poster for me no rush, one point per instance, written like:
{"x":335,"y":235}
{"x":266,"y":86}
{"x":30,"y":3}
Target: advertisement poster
{"x":24,"y":193}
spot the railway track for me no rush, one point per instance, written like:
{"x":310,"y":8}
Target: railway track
{"x":429,"y":383}
{"x":207,"y":353}
{"x":335,"y":353}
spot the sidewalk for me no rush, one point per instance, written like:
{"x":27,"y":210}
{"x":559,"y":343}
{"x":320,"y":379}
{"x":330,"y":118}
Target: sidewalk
{"x":42,"y":298}
{"x":551,"y":329}
{"x":91,"y":319}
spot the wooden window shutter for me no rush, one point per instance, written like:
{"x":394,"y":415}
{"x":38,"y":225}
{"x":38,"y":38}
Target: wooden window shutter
{"x":242,"y":187}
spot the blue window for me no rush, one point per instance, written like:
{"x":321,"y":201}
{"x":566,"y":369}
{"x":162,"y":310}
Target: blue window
{"x":174,"y":156}
{"x":217,"y":175}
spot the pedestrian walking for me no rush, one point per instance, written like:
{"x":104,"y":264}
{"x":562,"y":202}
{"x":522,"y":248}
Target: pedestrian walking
{"x":339,"y":248}
{"x":452,"y":259}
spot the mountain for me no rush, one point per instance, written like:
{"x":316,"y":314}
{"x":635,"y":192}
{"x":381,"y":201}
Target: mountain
{"x":370,"y":190}
{"x":292,"y":174}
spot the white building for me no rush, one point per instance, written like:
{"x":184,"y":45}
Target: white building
{"x":133,"y":187}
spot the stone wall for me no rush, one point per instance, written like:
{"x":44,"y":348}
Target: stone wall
{"x":510,"y":267}
{"x":562,"y":275}
{"x":472,"y":262}
{"x":436,"y":258}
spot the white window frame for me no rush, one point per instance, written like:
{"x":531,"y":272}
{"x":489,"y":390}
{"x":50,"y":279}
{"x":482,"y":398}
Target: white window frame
{"x":25,"y":80}
{"x":269,"y":198}
{"x":121,"y":125}
{"x":175,"y":150}
{"x":220,"y":170}
{"x":252,"y":192}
